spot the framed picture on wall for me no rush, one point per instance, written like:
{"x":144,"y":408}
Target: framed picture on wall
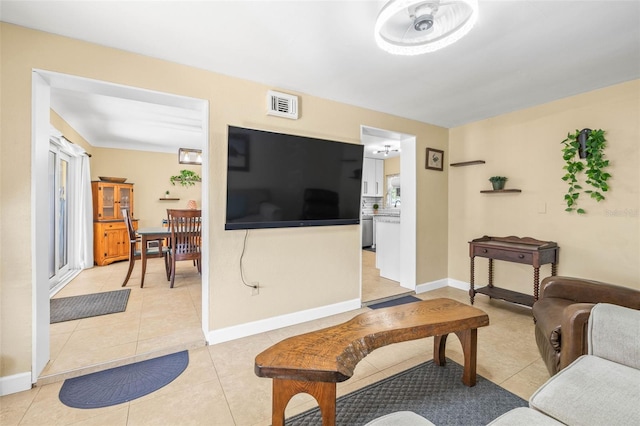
{"x":435,"y":159}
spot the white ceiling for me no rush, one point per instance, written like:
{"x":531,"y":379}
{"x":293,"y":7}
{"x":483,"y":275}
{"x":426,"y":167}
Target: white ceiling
{"x":520,"y":53}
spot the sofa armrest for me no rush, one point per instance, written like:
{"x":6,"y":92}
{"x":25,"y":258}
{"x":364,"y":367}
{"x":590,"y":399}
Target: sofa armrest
{"x":575,"y":319}
{"x":588,"y":291}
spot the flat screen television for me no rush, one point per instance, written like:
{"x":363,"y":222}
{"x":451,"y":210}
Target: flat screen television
{"x":276,"y":180}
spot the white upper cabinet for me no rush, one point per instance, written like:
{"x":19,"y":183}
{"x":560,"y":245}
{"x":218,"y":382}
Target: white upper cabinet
{"x":372,"y":175}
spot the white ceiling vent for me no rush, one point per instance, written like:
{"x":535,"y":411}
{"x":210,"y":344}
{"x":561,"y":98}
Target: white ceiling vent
{"x":282,"y":105}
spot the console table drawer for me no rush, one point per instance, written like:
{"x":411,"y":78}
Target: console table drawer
{"x":501,"y":254}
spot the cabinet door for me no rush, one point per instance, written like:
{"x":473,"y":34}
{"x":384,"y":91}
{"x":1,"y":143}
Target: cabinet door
{"x":378,"y":178}
{"x":368,"y":176}
{"x":125,"y":199}
{"x":113,"y":243}
{"x":107,"y":202}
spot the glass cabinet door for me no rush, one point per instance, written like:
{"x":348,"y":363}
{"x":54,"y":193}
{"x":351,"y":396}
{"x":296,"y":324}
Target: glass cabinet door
{"x":108,"y":202}
{"x":125,"y":200}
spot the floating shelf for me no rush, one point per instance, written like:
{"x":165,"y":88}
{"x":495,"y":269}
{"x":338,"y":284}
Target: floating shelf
{"x":169,"y":199}
{"x":467,"y":163}
{"x":491,"y":191}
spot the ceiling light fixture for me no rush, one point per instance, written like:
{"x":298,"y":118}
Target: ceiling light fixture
{"x":387,"y":149}
{"x":189,"y":156}
{"x":413,"y":27}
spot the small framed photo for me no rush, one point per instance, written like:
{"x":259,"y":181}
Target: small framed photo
{"x":435,"y":159}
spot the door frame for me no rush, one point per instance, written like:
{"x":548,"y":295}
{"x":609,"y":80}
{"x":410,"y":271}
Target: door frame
{"x":41,"y":84}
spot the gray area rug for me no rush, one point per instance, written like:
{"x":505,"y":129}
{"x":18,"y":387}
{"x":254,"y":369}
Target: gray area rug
{"x":88,"y":305}
{"x":122,"y":384}
{"x":436,"y":393}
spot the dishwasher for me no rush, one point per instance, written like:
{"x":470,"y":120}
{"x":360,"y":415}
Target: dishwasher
{"x":367,"y":231}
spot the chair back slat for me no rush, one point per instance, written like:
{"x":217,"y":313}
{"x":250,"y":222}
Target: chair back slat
{"x":185,"y":227}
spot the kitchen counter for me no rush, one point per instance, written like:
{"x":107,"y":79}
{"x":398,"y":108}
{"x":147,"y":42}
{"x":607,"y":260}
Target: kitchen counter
{"x":387,"y":229}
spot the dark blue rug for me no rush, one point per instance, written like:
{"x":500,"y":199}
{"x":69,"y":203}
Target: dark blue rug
{"x":436,"y":393}
{"x":395,"y":302}
{"x":123,"y":384}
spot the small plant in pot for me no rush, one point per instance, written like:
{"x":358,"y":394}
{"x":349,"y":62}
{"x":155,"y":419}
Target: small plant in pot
{"x":497,"y":182}
{"x":375,"y":208}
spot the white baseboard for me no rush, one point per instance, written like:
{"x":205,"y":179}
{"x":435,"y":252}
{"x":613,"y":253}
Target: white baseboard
{"x":433,"y":285}
{"x":16,"y":383}
{"x":458,"y":284}
{"x":268,"y":324}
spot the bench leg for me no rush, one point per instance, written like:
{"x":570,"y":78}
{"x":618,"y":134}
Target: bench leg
{"x":469,"y":341}
{"x":323,"y":392}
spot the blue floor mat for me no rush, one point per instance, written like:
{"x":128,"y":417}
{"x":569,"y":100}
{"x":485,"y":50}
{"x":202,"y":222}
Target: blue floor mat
{"x":122,"y":384}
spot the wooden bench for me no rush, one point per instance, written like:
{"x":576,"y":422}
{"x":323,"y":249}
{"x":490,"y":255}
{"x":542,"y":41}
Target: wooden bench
{"x":314,"y":362}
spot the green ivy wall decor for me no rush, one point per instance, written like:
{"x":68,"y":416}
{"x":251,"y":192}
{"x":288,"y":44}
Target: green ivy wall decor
{"x":185,"y":178}
{"x":593,"y":165}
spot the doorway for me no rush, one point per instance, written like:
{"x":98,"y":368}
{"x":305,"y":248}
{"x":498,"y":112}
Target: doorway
{"x":381,"y":143}
{"x":43,"y":82}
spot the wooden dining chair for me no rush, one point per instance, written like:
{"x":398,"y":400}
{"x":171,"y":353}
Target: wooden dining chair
{"x":184,"y":243}
{"x":136,"y":254}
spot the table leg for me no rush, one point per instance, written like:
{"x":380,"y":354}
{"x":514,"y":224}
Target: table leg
{"x":143,"y":258}
{"x":536,"y":282}
{"x":323,"y":392}
{"x":469,"y":340}
{"x":439,"y":349}
{"x":472,"y":291}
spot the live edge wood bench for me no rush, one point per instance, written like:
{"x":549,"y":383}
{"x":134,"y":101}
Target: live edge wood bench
{"x":314,"y":362}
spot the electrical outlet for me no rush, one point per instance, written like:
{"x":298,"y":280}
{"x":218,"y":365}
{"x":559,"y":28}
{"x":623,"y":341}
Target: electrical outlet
{"x":256,"y":288}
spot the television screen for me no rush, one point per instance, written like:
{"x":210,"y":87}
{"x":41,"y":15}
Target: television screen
{"x":276,"y":180}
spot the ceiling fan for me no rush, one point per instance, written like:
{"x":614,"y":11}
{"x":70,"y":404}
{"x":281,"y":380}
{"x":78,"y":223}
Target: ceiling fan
{"x":387,"y":149}
{"x":413,"y":27}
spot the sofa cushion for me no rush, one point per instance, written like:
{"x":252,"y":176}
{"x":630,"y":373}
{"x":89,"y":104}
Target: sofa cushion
{"x":592,"y":391}
{"x":614,"y":334}
{"x":523,"y":416}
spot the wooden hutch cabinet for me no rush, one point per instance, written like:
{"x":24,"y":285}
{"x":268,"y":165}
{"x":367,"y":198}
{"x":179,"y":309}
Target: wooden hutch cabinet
{"x":110,"y":235}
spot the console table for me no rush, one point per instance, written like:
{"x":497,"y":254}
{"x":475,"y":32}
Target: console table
{"x":512,"y":249}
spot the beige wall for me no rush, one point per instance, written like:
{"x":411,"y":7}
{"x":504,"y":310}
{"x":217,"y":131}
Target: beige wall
{"x":297,"y":269}
{"x":525,"y":146}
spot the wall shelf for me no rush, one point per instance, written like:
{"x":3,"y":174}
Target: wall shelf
{"x":169,"y":199}
{"x":467,"y":163}
{"x":492,"y":191}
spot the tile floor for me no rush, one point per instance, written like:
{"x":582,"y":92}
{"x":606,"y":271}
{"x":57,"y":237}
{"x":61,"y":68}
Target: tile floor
{"x":219,"y":386}
{"x":375,"y":287}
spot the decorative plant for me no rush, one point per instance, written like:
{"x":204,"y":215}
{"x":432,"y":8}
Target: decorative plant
{"x":593,"y":167}
{"x":186,"y":178}
{"x":497,"y":181}
{"x":376,"y":206}
{"x":166,"y":194}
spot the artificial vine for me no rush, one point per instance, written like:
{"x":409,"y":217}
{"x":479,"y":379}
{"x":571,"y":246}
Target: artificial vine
{"x":594,"y":143}
{"x":185,"y":178}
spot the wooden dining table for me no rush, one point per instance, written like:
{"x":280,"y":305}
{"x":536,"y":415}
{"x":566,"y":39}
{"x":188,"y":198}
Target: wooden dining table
{"x":153,"y":233}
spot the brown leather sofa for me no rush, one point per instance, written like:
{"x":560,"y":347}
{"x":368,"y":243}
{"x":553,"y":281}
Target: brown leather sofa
{"x":562,"y":311}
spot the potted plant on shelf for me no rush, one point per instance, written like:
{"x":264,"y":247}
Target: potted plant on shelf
{"x":186,"y":178}
{"x":375,"y":208}
{"x":497,"y":182}
{"x":589,"y":145}
{"x":166,"y":194}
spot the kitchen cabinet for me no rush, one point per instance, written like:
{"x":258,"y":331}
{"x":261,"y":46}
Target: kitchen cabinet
{"x":372,"y":177}
{"x":110,"y":235}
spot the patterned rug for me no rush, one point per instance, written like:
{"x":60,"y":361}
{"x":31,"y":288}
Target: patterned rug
{"x":122,"y":384}
{"x":88,"y":305}
{"x":436,"y":393}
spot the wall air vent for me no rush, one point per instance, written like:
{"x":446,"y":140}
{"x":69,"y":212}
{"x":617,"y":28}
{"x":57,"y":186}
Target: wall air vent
{"x":282,"y":105}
